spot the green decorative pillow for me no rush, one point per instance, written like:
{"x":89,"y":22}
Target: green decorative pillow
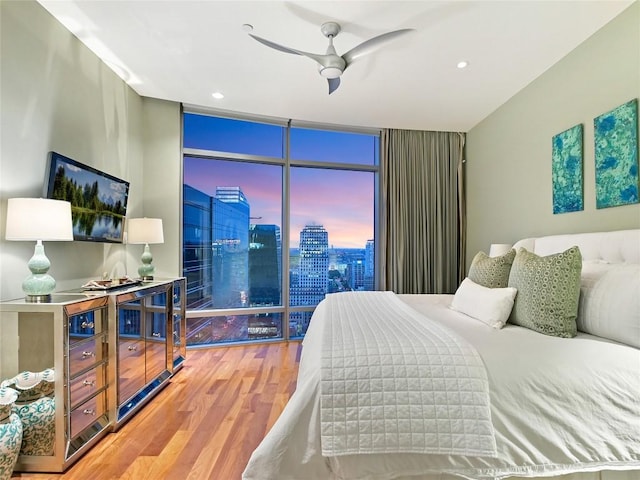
{"x":548,"y":291}
{"x":491,"y":272}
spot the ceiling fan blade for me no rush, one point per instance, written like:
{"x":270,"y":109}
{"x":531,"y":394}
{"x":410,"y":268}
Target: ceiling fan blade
{"x":271,"y":44}
{"x":334,"y":83}
{"x":321,"y":59}
{"x":369,"y":45}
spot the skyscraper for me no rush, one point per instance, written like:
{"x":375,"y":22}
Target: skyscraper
{"x":230,"y":248}
{"x":314,"y":264}
{"x":369,"y":265}
{"x":313,"y":273}
{"x":355,"y":275}
{"x":197,"y":213}
{"x":265,"y":265}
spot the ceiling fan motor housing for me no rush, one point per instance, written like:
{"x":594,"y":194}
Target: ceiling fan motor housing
{"x":330,"y":29}
{"x":333,"y":67}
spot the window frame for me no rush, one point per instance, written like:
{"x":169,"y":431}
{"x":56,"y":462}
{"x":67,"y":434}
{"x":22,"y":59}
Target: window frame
{"x":286,"y":163}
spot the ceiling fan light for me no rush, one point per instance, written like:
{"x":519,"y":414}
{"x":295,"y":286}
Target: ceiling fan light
{"x":331,"y":72}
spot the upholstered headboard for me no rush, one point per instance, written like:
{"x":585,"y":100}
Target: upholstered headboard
{"x":610,"y":280}
{"x":620,"y":246}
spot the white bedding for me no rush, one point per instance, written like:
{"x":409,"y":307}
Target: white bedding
{"x":396,"y":383}
{"x":558,"y":406}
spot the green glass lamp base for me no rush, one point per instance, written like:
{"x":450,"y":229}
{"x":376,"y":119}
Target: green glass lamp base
{"x":39,"y":285}
{"x":146,"y":270}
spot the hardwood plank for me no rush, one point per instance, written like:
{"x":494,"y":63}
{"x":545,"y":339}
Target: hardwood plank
{"x":204,"y":425}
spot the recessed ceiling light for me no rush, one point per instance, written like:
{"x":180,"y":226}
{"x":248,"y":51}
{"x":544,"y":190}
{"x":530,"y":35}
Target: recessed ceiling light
{"x":247,"y":27}
{"x":463,"y":64}
{"x":217,"y":95}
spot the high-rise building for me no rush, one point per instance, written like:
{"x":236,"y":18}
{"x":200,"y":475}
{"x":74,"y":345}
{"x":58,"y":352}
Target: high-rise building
{"x":197,"y":238}
{"x":313,"y":273}
{"x":355,"y":275}
{"x":369,"y":265}
{"x":265,"y":265}
{"x":230,"y":247}
{"x":313,"y":270}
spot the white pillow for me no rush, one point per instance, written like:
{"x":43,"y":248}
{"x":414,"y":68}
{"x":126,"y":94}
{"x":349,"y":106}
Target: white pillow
{"x":610,"y":302}
{"x":489,"y":305}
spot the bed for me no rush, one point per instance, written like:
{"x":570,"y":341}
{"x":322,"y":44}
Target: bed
{"x":508,"y":401}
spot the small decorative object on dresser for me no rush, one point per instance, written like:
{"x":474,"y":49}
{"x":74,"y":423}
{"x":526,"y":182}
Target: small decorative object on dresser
{"x":10,"y":433}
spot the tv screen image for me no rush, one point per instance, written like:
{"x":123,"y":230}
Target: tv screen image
{"x":98,"y":200}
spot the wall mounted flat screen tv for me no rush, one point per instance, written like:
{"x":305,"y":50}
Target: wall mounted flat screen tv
{"x":98,"y":200}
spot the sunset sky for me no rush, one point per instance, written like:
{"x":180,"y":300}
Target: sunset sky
{"x":341,"y":201}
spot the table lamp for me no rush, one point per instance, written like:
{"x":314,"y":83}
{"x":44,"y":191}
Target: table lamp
{"x":38,"y":219}
{"x":145,"y":231}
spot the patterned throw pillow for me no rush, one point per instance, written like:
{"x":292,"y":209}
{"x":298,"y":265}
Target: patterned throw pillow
{"x":491,"y":272}
{"x":548,"y":291}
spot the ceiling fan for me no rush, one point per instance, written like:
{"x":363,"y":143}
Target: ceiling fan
{"x":331,"y":65}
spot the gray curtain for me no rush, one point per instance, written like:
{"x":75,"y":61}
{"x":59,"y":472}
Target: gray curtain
{"x":423,"y":237}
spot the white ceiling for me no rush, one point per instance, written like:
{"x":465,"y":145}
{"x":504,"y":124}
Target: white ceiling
{"x":185,"y":50}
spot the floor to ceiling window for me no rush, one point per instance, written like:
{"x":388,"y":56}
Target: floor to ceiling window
{"x":275,"y":217}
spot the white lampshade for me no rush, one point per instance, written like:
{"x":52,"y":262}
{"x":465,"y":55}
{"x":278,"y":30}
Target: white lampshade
{"x":144,"y":231}
{"x":39,"y":219}
{"x":498,"y":249}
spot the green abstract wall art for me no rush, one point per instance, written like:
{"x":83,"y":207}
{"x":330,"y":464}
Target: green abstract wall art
{"x":616,"y":156}
{"x":566,"y":171}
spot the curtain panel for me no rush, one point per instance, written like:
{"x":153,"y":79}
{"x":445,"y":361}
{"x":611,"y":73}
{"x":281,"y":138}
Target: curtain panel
{"x":423,"y":211}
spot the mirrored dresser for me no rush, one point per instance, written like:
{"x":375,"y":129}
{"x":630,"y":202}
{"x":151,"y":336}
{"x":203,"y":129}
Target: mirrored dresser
{"x":111,"y":352}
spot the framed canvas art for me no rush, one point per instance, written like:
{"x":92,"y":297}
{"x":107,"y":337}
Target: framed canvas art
{"x":616,"y":156}
{"x":566,"y":171}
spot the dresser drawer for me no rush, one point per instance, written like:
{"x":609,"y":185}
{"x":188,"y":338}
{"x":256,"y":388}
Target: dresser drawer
{"x":86,"y":385}
{"x":87,"y":413}
{"x":131,"y":367}
{"x":85,"y":354}
{"x":85,"y":325}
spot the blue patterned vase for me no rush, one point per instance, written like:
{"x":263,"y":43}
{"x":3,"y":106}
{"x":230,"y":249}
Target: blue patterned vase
{"x":32,"y":385}
{"x":38,"y":426}
{"x":10,"y":433}
{"x":36,"y":410}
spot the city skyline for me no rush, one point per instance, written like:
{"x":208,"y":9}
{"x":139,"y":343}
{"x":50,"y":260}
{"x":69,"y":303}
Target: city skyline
{"x":230,"y":263}
{"x":346,"y":209}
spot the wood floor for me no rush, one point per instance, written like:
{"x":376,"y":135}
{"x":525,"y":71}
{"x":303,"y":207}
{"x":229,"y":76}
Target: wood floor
{"x":203,"y":425}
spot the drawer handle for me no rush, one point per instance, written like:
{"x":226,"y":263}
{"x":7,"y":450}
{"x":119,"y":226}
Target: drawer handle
{"x":86,"y":325}
{"x":154,"y":334}
{"x":89,"y":411}
{"x":132,"y":348}
{"x":88,"y":354}
{"x":89,"y":383}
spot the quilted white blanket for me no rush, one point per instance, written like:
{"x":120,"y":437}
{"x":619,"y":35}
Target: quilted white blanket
{"x":392,"y":381}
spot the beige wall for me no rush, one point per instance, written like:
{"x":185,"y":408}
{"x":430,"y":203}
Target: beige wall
{"x":57,"y":95}
{"x":163,"y":181}
{"x":509,"y":153}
